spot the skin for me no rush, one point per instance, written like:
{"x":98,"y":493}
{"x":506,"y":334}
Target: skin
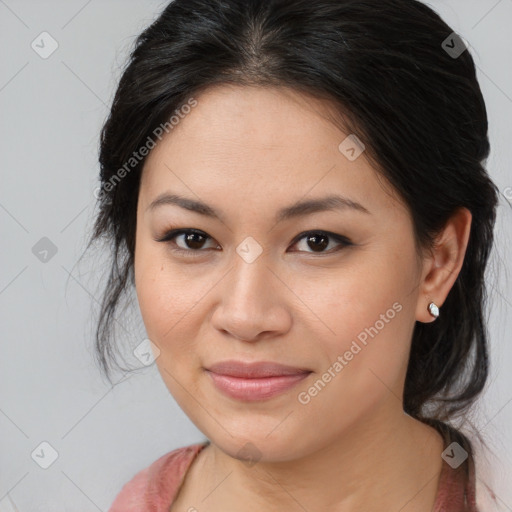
{"x":248,"y":152}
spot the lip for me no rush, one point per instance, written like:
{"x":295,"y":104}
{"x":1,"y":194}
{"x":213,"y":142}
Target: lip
{"x":254,"y":381}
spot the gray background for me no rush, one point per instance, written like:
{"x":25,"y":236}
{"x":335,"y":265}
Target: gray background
{"x":50,"y":389}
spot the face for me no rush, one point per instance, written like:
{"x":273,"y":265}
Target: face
{"x":329,"y":289}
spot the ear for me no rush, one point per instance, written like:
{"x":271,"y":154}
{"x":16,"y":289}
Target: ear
{"x":442,"y":266}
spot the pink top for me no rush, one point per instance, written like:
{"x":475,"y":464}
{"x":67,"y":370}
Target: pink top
{"x":154,"y":488}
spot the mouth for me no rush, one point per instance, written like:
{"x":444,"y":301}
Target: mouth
{"x":254,"y":381}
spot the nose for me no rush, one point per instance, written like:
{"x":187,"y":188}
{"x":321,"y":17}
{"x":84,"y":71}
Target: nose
{"x":252,"y":302}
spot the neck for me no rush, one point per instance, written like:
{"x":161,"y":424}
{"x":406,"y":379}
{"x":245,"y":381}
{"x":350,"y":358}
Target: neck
{"x":387,"y":462}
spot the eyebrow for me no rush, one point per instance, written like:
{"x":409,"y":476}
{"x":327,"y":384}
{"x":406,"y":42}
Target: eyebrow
{"x":328,"y":203}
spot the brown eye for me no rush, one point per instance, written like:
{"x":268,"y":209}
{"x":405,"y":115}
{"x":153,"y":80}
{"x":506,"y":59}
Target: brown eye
{"x":318,"y":241}
{"x":191,"y":240}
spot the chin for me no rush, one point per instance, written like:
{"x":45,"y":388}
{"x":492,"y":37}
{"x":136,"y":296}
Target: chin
{"x":258,"y":447}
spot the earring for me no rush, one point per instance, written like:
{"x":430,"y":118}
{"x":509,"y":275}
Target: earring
{"x":433,"y":310}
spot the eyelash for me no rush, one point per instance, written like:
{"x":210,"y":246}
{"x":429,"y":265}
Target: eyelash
{"x":170,"y":235}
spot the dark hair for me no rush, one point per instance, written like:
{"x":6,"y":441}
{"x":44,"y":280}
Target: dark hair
{"x":390,"y":69}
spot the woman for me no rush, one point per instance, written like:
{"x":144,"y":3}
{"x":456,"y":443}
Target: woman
{"x":297,"y":191}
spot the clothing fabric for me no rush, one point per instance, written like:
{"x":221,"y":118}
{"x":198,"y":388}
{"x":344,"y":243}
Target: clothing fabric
{"x":154,"y":488}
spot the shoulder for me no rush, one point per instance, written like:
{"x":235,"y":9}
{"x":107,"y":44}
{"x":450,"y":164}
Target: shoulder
{"x":459,"y":489}
{"x":154,"y":487}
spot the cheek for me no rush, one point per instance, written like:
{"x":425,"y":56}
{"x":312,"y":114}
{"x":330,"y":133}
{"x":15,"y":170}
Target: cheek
{"x":370,"y":313}
{"x":169,"y":304}
{"x":363,"y":364}
{"x":167,"y":311}
{"x":165,"y":297}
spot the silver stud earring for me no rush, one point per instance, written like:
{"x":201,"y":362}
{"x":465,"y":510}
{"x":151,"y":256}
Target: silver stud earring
{"x":433,"y":309}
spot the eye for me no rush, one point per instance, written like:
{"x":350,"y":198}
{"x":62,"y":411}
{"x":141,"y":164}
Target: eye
{"x":319,"y":240}
{"x":192,"y":241}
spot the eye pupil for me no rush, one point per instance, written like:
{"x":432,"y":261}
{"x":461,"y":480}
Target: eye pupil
{"x":314,"y":238}
{"x":189,"y":240}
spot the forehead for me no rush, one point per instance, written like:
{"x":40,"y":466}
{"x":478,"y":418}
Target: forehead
{"x":260,"y":118}
{"x":262,"y":143}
